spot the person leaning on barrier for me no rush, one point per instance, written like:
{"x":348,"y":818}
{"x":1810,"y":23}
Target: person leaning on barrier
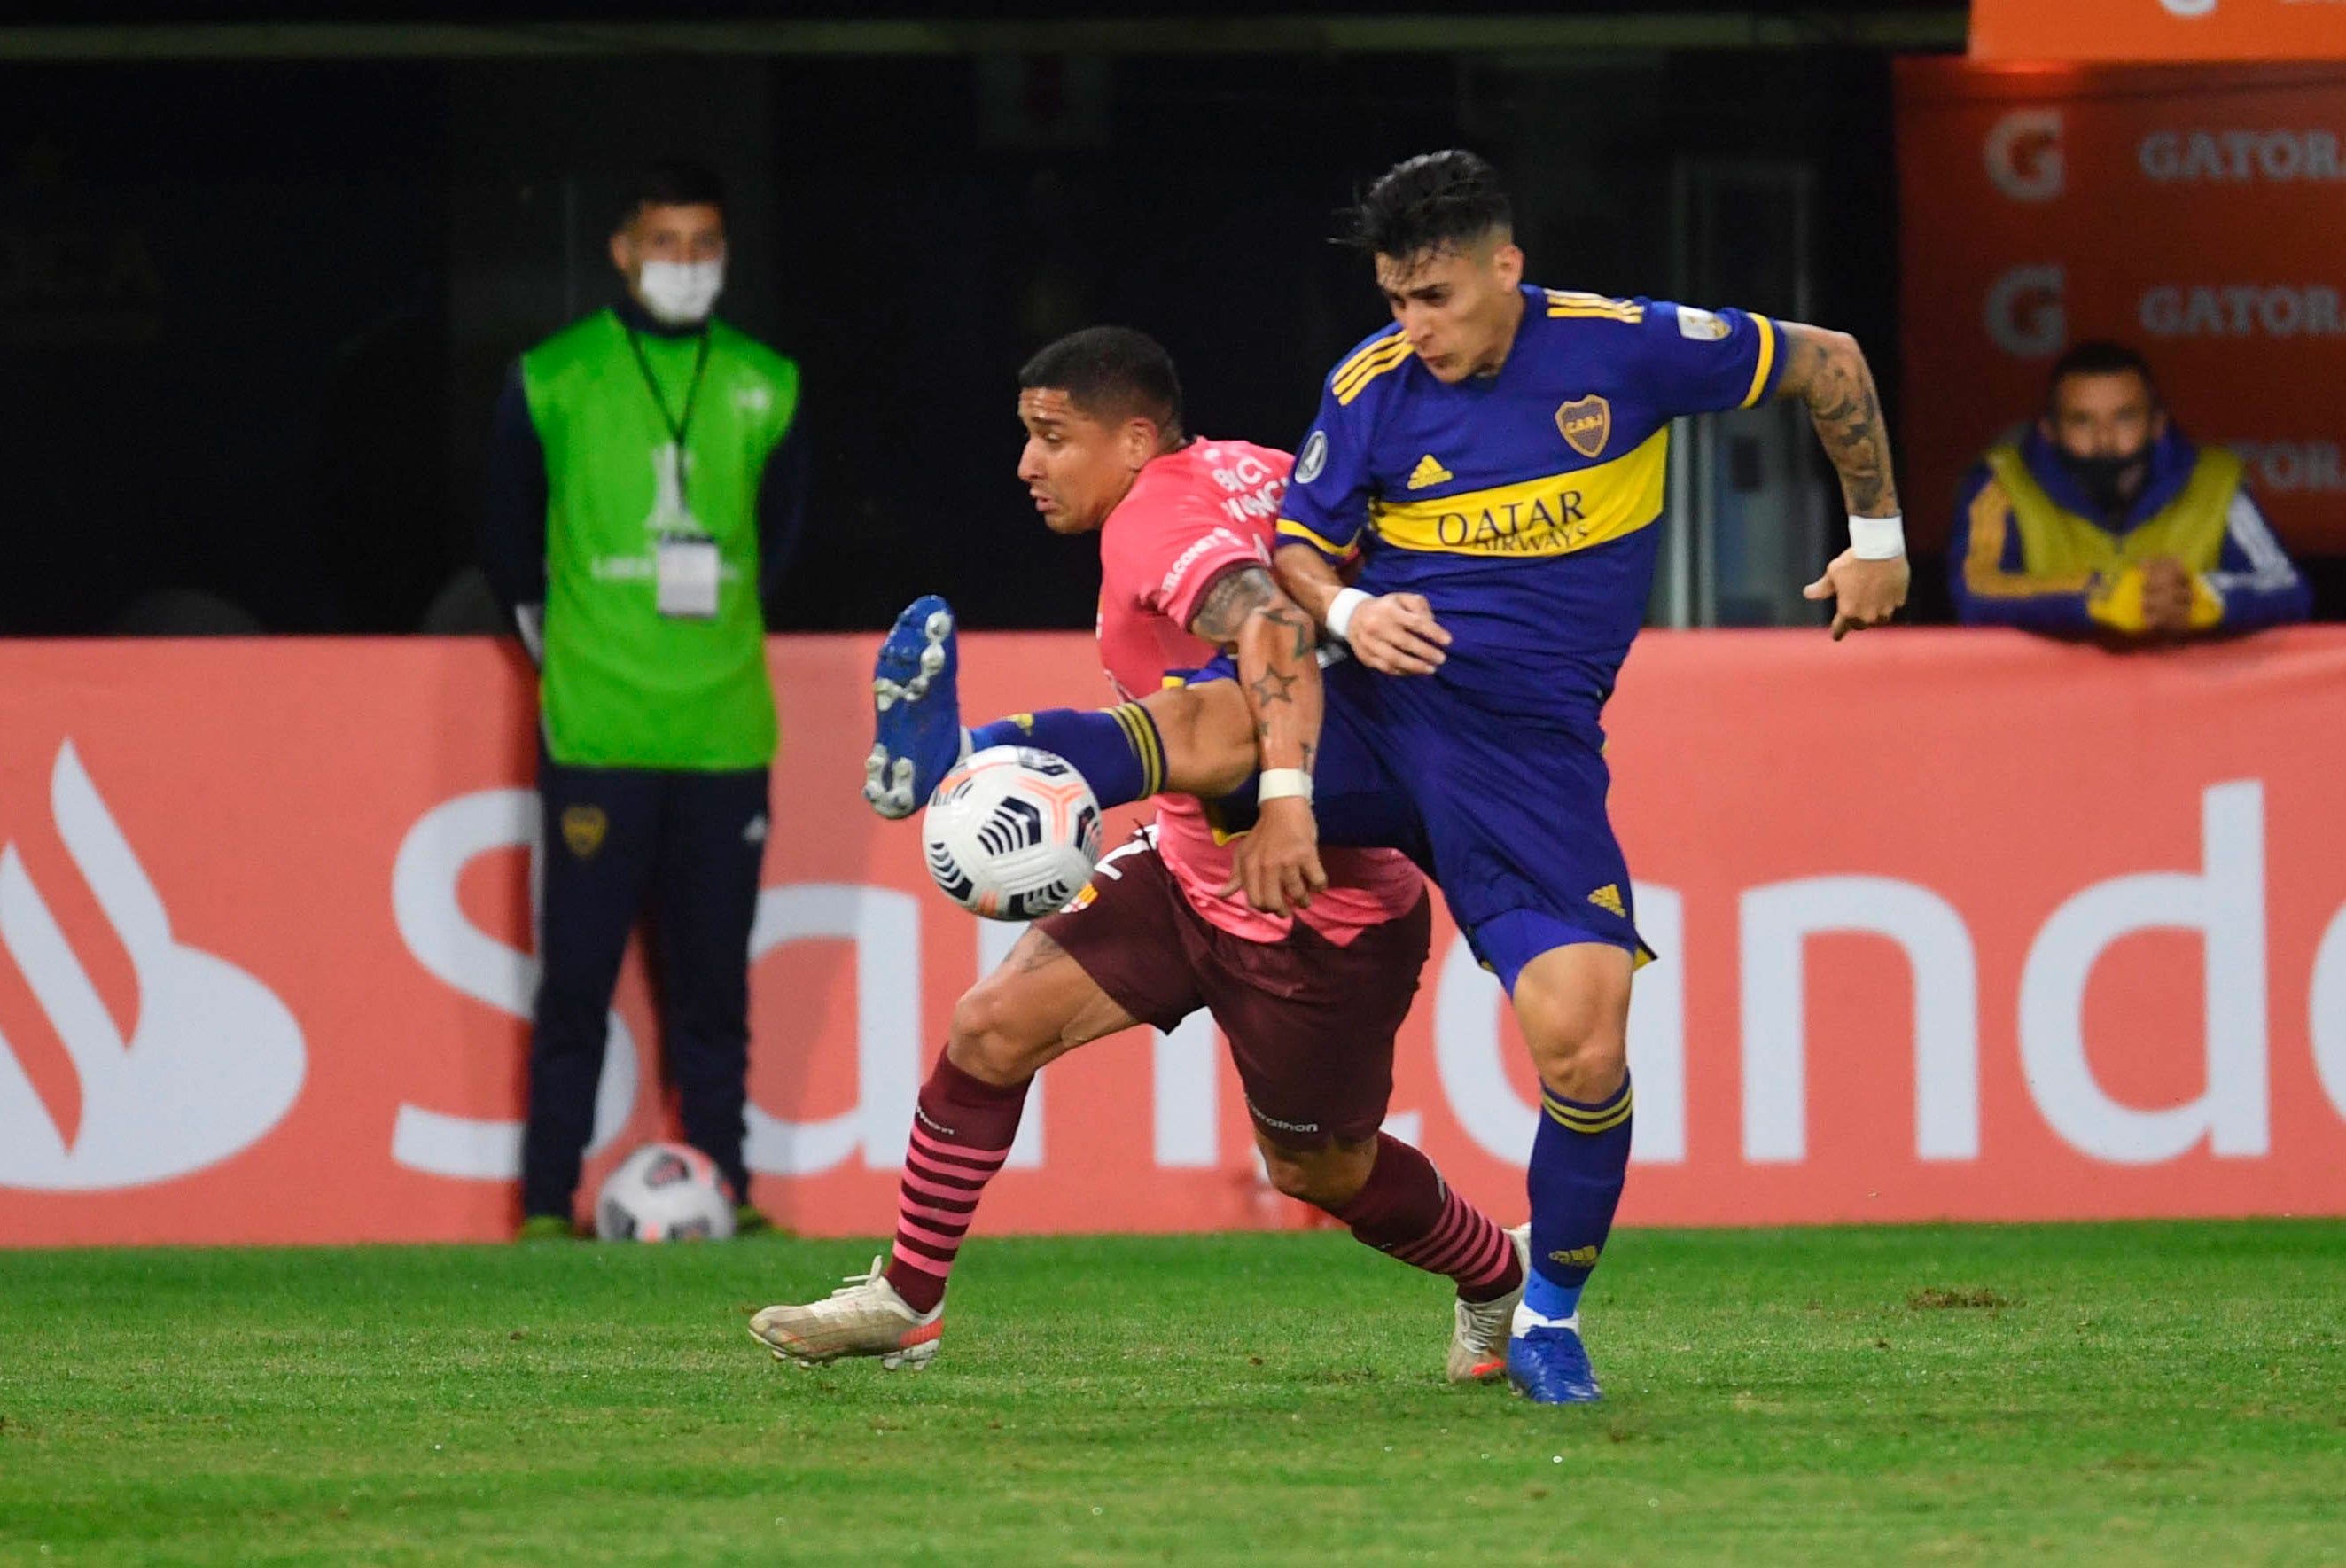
{"x":644,"y":484}
{"x":2103,"y":518}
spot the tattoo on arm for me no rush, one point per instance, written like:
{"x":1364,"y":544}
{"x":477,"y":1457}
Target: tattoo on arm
{"x":1310,"y":749}
{"x":1274,"y":646}
{"x":1271,"y":687}
{"x":1302,"y":627}
{"x":1234,"y":596}
{"x":1827,"y":371}
{"x":1035,"y":950}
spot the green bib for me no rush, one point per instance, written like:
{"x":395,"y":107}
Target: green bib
{"x":626,"y":686}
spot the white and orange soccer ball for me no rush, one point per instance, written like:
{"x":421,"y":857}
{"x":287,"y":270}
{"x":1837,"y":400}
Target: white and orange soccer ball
{"x":664,"y":1192}
{"x":1012,"y":833}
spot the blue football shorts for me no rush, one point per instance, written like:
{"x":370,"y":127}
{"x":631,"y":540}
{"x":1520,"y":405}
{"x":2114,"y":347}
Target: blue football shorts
{"x":1506,"y":813}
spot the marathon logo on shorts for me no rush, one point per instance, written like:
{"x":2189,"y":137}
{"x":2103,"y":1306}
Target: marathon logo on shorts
{"x":1275,"y":1125}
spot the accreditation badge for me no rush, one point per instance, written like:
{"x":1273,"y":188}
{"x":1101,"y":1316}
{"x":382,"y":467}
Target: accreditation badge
{"x":687,"y":576}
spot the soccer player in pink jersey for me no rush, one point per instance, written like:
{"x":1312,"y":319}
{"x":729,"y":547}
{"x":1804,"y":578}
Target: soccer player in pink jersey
{"x":1309,"y":1001}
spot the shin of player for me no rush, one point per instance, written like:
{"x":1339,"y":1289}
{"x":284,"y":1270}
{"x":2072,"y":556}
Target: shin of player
{"x":1572,"y":1005}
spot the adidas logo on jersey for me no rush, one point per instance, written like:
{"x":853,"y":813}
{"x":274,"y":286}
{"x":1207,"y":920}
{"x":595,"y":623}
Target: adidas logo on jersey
{"x":1428,"y":472}
{"x":1609,"y":899}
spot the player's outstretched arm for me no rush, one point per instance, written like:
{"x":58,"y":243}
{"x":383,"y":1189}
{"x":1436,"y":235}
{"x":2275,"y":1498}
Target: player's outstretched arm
{"x":1827,"y":371}
{"x":1277,"y":864}
{"x":1392,"y":634}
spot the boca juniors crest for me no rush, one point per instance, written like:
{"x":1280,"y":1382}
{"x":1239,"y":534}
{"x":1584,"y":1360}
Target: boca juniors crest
{"x":1587,"y":423}
{"x":584,"y":828}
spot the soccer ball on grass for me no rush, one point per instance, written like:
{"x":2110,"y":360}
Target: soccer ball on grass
{"x":664,"y":1192}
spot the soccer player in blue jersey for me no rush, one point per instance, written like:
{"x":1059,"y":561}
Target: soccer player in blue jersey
{"x":1495,"y":461}
{"x":1494,"y":465}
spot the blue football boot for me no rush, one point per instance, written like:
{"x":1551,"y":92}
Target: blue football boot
{"x":1547,"y":1364}
{"x":917,"y":707}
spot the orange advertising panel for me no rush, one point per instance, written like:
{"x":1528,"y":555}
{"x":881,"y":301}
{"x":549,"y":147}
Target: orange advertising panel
{"x":1956,"y":925}
{"x":2196,"y":214}
{"x":2136,"y":30}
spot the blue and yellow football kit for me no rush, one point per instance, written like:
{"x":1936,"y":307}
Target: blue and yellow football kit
{"x":1523,"y":506}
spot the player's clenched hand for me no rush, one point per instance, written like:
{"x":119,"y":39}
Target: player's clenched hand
{"x":1278,"y":864}
{"x":1396,"y":633}
{"x":1864,"y":593}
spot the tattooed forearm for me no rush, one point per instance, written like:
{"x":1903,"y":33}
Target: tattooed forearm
{"x":1271,"y":687}
{"x":1234,"y":596}
{"x":1301,"y":626}
{"x":1311,"y":752}
{"x":1279,"y":670}
{"x":1828,"y":371}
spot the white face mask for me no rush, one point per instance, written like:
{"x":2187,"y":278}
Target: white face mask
{"x":679,"y":293}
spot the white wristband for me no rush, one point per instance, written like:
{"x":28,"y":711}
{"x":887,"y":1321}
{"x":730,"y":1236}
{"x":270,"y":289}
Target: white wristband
{"x":1340,"y":610}
{"x":1877,"y":538}
{"x":1280,"y":783}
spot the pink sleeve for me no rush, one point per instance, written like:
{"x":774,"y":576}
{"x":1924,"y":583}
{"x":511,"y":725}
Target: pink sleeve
{"x":1178,"y":557}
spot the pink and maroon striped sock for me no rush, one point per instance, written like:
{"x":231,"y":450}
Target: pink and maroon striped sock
{"x":962,"y":1131}
{"x":1406,"y":1211}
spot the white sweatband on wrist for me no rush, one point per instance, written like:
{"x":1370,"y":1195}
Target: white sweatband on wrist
{"x":1280,"y":783}
{"x":1877,"y":538}
{"x":1340,"y":610}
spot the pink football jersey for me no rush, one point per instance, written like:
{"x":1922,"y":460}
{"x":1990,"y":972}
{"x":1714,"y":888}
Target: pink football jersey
{"x":1190,"y":516}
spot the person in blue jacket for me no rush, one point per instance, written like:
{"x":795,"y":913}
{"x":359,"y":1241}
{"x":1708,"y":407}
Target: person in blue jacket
{"x":2104,"y":519}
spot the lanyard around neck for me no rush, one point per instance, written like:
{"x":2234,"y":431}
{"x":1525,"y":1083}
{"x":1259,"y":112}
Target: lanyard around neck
{"x":677,"y":429}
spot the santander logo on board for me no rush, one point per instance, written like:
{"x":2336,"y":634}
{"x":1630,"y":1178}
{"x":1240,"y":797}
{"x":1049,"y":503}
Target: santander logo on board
{"x":212,"y":1063}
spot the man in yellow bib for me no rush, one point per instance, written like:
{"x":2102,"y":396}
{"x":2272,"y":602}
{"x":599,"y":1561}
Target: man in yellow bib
{"x":2104,"y":519}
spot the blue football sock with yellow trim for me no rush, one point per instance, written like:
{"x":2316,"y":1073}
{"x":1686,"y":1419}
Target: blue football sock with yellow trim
{"x":1579,"y":1160}
{"x":1116,"y":749}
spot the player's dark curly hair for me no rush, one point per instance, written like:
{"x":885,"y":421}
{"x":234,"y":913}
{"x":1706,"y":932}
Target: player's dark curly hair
{"x":671,"y":182}
{"x":1431,"y":203}
{"x":1110,"y":373}
{"x":2100,"y":357}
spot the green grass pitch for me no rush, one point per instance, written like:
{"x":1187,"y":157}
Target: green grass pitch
{"x":2139,"y":1393}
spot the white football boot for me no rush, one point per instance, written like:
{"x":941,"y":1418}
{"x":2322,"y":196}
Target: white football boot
{"x":1478,"y":1342}
{"x":865,"y":1317}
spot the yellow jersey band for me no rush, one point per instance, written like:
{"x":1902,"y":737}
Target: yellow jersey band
{"x":1376,"y":346}
{"x":1553,"y":515}
{"x":1767,"y":358}
{"x":1352,"y":383}
{"x":1294,"y":532}
{"x":1573,"y":302}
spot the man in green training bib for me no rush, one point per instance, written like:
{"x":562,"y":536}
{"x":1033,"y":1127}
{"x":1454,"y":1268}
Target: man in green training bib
{"x":645,"y":484}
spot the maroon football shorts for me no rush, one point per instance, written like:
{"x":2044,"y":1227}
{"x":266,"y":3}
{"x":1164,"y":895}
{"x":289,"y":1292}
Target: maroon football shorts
{"x":1311,"y":1024}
